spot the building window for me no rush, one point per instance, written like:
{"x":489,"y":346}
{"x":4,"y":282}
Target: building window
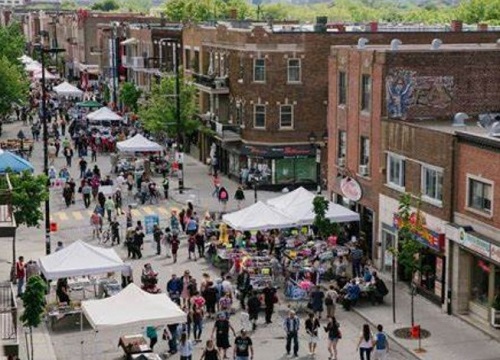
{"x":480,"y":277}
{"x":259,"y":120}
{"x":259,"y":70}
{"x":188,"y":59}
{"x":395,"y":170}
{"x":342,"y":149}
{"x":286,"y":116}
{"x":479,"y":195}
{"x":366,"y":92}
{"x":342,"y":88}
{"x":294,"y":70}
{"x":432,"y":183}
{"x":364,"y":156}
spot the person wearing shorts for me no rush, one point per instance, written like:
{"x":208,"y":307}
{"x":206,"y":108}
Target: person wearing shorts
{"x":312,"y":325}
{"x":333,"y":333}
{"x":221,"y":329}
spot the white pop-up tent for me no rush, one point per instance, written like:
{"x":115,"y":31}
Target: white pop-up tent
{"x":298,"y":205}
{"x":25,"y":59}
{"x":133,"y":307}
{"x":80,"y":259}
{"x":33,"y":66}
{"x":38,"y":74}
{"x":66,"y":89}
{"x":138,"y":143}
{"x":258,"y":216}
{"x":103,"y":114}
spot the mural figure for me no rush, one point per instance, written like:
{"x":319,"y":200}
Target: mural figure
{"x":400,"y":86}
{"x":434,"y":91}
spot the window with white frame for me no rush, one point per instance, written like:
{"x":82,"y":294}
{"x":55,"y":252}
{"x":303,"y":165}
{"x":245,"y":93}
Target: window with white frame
{"x":395,"y":170}
{"x":259,"y":119}
{"x":286,"y":116}
{"x":294,"y":70}
{"x":480,"y":195}
{"x":342,"y":149}
{"x":432,"y":183}
{"x":259,"y":70}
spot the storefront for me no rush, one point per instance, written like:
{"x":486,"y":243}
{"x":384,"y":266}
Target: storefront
{"x":475,"y":272}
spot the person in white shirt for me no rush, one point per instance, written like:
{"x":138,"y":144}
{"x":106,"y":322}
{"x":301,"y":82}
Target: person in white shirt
{"x":365,"y":343}
{"x":120,"y":180}
{"x":227,"y":287}
{"x":185,"y":347}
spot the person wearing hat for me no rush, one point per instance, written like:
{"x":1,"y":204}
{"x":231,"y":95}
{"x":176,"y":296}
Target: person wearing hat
{"x":221,"y":328}
{"x":243,"y":349}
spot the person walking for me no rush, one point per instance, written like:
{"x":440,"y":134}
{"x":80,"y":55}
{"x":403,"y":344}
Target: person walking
{"x":185,"y":347}
{"x":365,"y":343}
{"x":175,"y":247}
{"x":243,"y":286}
{"x":221,"y":329}
{"x":109,"y":205}
{"x":115,"y":231}
{"x":166,"y":185}
{"x":253,"y":306}
{"x":333,"y":334}
{"x":197,"y":316}
{"x":381,"y":344}
{"x":292,"y":326}
{"x":239,"y":196}
{"x":317,"y":298}
{"x":330,"y":300}
{"x":86,"y":191}
{"x":210,"y":352}
{"x":96,"y":223}
{"x":68,"y":154}
{"x":243,"y":347}
{"x":270,"y":299}
{"x":20,"y":275}
{"x":157,"y":236}
{"x":312,"y":325}
{"x":83,"y":167}
{"x":152,"y":334}
{"x":137,"y":244}
{"x":118,"y":199}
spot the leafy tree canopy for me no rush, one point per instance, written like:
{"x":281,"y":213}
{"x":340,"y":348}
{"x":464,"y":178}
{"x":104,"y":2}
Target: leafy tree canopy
{"x":205,"y":10}
{"x":13,"y":85}
{"x":106,"y":5}
{"x":129,"y":95}
{"x":13,"y":42}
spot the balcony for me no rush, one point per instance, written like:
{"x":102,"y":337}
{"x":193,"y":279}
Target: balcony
{"x":211,"y":84}
{"x":224,"y":132}
{"x":8,"y":321}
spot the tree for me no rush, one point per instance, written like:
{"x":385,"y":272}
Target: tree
{"x":34,"y":305}
{"x":205,"y":10}
{"x":129,"y":95}
{"x":323,"y":224}
{"x":13,"y":85}
{"x":158,"y":114}
{"x":479,"y":11}
{"x":105,"y":5}
{"x":29,"y":191}
{"x":13,"y":42}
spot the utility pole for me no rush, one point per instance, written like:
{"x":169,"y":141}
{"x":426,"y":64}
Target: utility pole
{"x":180,"y":142}
{"x":45,"y":152}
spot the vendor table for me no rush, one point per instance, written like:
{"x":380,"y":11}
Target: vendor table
{"x":146,"y":356}
{"x":56,"y":314}
{"x":134,"y":344}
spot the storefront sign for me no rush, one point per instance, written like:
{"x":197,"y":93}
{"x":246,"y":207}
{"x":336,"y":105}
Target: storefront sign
{"x":422,"y":233}
{"x":495,"y":253}
{"x":351,"y":189}
{"x":278,"y":151}
{"x":474,"y":243}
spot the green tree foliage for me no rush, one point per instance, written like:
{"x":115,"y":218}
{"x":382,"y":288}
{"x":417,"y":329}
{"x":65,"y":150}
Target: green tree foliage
{"x":12,"y":40}
{"x":129,"y":95}
{"x":34,"y":305}
{"x":69,"y":5}
{"x":105,"y":5}
{"x":479,"y":11}
{"x":29,"y":191}
{"x":158,"y":114}
{"x":205,"y":10}
{"x":13,"y":85}
{"x":323,"y":224}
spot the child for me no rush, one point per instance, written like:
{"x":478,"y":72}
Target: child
{"x":175,"y":247}
{"x":192,"y":247}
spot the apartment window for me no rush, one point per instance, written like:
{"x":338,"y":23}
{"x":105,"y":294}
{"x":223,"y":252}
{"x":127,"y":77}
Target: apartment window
{"x":366,"y":92}
{"x":342,"y":150}
{"x":395,"y":170}
{"x":432,"y":183}
{"x":364,"y":156}
{"x":259,"y":70}
{"x":259,"y":120}
{"x":286,"y":116}
{"x":294,"y":70}
{"x":342,"y":88}
{"x":480,"y":195}
{"x":188,"y":58}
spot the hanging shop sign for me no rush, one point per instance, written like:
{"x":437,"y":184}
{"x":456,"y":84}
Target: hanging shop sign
{"x":351,"y":189}
{"x":278,"y":151}
{"x":474,"y":243}
{"x":422,"y":233}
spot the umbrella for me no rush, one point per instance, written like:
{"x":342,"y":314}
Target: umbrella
{"x":13,"y":162}
{"x":89,"y":104}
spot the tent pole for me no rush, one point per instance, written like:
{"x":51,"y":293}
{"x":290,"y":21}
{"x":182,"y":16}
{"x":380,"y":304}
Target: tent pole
{"x":95,"y":346}
{"x":81,"y":334}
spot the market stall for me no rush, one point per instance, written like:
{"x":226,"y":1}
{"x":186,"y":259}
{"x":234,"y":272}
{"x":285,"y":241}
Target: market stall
{"x":65,"y":89}
{"x":13,"y":162}
{"x":138,"y":143}
{"x":258,"y":216}
{"x":104,"y":116}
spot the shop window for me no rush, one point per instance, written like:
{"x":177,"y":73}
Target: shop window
{"x":479,"y":195}
{"x":432,"y":183}
{"x":286,"y":116}
{"x":480,"y":276}
{"x":259,"y":116}
{"x":395,"y":171}
{"x":259,"y":70}
{"x":295,"y":170}
{"x":294,"y":71}
{"x":342,"y":88}
{"x":366,"y":92}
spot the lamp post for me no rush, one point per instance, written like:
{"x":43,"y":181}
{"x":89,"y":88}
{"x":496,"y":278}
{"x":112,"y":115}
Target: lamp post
{"x":44,"y":51}
{"x":318,"y":145}
{"x":113,"y":63}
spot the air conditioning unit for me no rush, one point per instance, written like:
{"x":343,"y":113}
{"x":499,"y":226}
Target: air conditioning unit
{"x":341,"y":162}
{"x":363,"y":170}
{"x":218,"y":84}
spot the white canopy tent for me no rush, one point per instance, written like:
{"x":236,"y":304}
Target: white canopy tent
{"x":66,"y":89}
{"x":103,"y":114}
{"x":37,"y":74}
{"x":79,"y":259}
{"x":298,"y":205}
{"x":25,"y":59}
{"x":138,"y":143}
{"x":33,"y":66}
{"x":258,"y":216}
{"x":133,"y":307}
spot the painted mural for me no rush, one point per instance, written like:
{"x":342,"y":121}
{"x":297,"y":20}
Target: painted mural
{"x":406,"y":91}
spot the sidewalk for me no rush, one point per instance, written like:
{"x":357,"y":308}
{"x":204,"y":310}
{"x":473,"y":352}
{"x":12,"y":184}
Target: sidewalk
{"x":43,"y":348}
{"x":451,"y":338}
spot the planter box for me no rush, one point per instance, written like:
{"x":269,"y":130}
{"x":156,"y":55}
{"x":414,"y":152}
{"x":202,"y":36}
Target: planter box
{"x":495,"y":318}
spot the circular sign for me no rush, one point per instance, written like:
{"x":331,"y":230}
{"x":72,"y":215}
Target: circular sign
{"x":351,"y":189}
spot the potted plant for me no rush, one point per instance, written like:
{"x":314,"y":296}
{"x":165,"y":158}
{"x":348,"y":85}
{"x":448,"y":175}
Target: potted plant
{"x":495,"y":312}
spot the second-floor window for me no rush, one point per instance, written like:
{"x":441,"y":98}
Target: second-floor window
{"x":294,"y":70}
{"x":259,"y":70}
{"x":364,"y":155}
{"x":342,"y":149}
{"x":286,"y":116}
{"x":432,"y":183}
{"x":395,"y":170}
{"x":480,"y":195}
{"x":366,"y":92}
{"x":259,"y":120}
{"x":342,"y":88}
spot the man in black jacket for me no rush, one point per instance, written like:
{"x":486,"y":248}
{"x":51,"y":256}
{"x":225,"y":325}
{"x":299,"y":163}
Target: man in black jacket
{"x":253,"y":309}
{"x":243,"y":284}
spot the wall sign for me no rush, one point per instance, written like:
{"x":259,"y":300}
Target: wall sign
{"x":495,"y":253}
{"x":351,"y":189}
{"x":422,"y":233}
{"x":474,"y":243}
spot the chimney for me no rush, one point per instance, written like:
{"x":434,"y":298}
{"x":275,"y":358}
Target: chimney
{"x":373,"y":26}
{"x":320,"y":25}
{"x":233,"y":14}
{"x":456,"y":25}
{"x":482,"y":27}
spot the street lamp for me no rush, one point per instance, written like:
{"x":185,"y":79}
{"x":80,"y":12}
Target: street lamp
{"x":44,"y":51}
{"x":318,"y":145}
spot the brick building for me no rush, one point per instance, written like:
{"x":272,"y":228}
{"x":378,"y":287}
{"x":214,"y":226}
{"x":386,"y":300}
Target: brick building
{"x":378,"y":94}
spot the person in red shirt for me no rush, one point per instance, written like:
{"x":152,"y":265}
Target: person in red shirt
{"x":20,"y":275}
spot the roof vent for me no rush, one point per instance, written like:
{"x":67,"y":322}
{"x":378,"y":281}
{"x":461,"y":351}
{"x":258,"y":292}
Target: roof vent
{"x":459,"y":119}
{"x":436,"y":44}
{"x":495,"y":129}
{"x":362,"y":43}
{"x":395,"y":43}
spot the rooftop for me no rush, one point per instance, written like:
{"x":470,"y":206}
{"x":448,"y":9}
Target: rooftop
{"x":423,"y":47}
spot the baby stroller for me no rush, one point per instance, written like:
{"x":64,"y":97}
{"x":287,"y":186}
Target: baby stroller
{"x":149,"y":280}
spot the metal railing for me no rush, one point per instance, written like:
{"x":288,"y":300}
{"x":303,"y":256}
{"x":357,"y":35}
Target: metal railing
{"x":212,"y":82}
{"x":8,"y":319}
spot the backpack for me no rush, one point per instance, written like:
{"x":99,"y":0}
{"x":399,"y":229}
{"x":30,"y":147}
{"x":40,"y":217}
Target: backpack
{"x":328,"y":301}
{"x":381,"y":341}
